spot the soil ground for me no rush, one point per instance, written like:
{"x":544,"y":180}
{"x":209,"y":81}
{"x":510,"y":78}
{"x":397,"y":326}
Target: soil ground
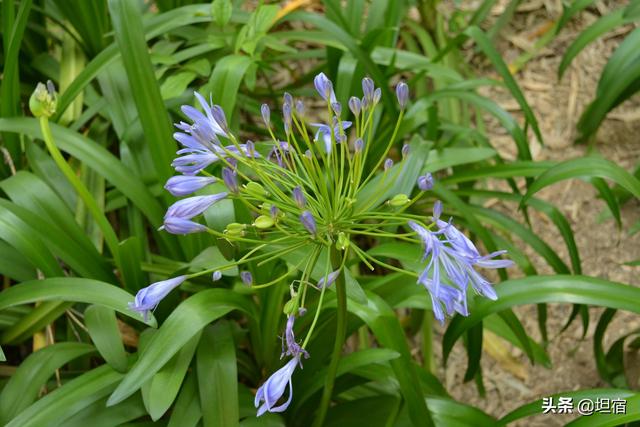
{"x":509,"y":378}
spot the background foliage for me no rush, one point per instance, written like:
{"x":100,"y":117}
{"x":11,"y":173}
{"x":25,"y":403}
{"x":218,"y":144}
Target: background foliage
{"x":76,"y":354}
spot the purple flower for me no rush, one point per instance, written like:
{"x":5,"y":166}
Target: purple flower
{"x":324,"y":132}
{"x":355,"y":105}
{"x":402,"y":93}
{"x":175,"y":225}
{"x":388,"y":163}
{"x":287,"y":99}
{"x":193,"y":163}
{"x":457,"y":255}
{"x":330,"y":279}
{"x":246,"y":277}
{"x":266,"y":114}
{"x":307,"y":220}
{"x":324,"y":87}
{"x":183,"y":185}
{"x":286,"y":114}
{"x":192,"y":206}
{"x":148,"y":298}
{"x":273,"y":389}
{"x":299,"y":198}
{"x":230,"y":179}
{"x":289,"y":345}
{"x":425,"y":182}
{"x":337,"y":108}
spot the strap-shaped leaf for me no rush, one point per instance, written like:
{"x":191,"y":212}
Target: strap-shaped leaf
{"x":186,"y":321}
{"x":102,"y":325}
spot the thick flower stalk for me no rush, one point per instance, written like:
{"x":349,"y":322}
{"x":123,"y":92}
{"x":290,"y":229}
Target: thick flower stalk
{"x":309,"y":189}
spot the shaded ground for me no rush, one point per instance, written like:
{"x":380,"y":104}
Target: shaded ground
{"x":509,"y":379}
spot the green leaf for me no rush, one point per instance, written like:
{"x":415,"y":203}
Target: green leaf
{"x":225,"y":81}
{"x":487,"y":47}
{"x":603,"y":25}
{"x":545,"y":289}
{"x":386,"y":327}
{"x":186,"y":412}
{"x":184,"y":322}
{"x":533,"y":408}
{"x":218,"y":376}
{"x":455,"y":156}
{"x":129,"y":34}
{"x":221,"y":11}
{"x":24,"y":385}
{"x":75,"y":395}
{"x":585,"y":167}
{"x":99,"y":415}
{"x":71,"y":289}
{"x":164,"y":385}
{"x":102,"y":325}
{"x":176,"y":84}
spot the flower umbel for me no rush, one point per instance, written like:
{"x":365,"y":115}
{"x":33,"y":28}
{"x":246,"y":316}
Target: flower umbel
{"x":311,"y":188}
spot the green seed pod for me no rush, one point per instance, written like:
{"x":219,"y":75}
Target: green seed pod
{"x":255,"y":188}
{"x":263,"y":221}
{"x":343,"y":241}
{"x":291,"y":307}
{"x":235,"y":229}
{"x":399,"y":200}
{"x":43,"y":100}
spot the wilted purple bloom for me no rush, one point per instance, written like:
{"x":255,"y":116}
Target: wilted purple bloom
{"x":175,"y":225}
{"x":324,"y":132}
{"x":217,"y":275}
{"x":289,"y":345}
{"x":388,"y":163}
{"x":358,"y":145}
{"x":298,"y":196}
{"x":230,"y":179}
{"x":300,"y":107}
{"x":273,"y":389}
{"x":355,"y":105}
{"x":246,"y":277}
{"x":425,"y":182}
{"x":307,"y":220}
{"x":367,"y":89}
{"x":148,"y":298}
{"x":266,"y":114}
{"x":192,"y":206}
{"x":330,"y":279}
{"x":402,"y":93}
{"x":324,"y":87}
{"x":183,"y":185}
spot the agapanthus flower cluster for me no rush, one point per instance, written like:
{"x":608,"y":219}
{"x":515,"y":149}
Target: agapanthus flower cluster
{"x":309,"y":188}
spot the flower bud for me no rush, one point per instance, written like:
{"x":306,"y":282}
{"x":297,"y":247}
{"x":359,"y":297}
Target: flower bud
{"x":367,"y":89}
{"x":358,"y":145}
{"x":307,"y":220}
{"x":217,"y":275}
{"x":230,"y":179}
{"x":288,"y":99}
{"x":425,"y":182}
{"x":43,"y":100}
{"x":246,"y":278}
{"x":235,"y":229}
{"x":266,"y":114}
{"x":300,"y":107}
{"x":388,"y":164}
{"x":219,"y":117}
{"x":298,"y":197}
{"x":337,"y":108}
{"x":355,"y":105}
{"x":377,"y":94}
{"x":402,"y":93}
{"x":405,"y":151}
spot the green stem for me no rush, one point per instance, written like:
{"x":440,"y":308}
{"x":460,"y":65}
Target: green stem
{"x":110,"y":236}
{"x":341,"y":330}
{"x":428,"y":362}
